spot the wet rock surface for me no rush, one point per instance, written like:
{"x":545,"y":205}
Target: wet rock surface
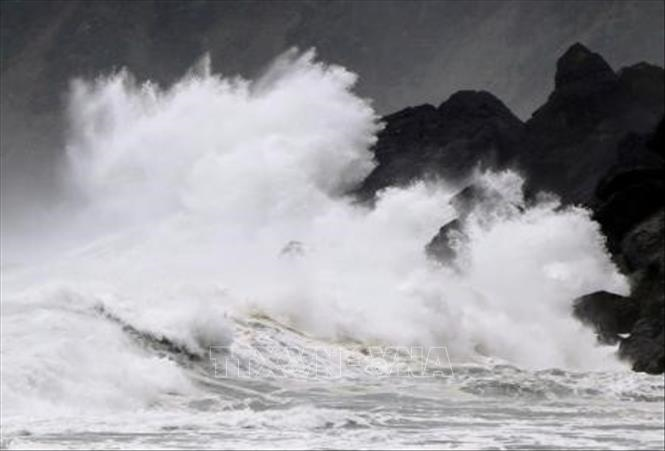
{"x":596,"y":142}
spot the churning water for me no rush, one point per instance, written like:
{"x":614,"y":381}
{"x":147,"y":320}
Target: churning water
{"x":210,"y":223}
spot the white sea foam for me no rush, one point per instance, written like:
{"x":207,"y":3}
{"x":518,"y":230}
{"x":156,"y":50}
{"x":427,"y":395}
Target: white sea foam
{"x":217,"y":197}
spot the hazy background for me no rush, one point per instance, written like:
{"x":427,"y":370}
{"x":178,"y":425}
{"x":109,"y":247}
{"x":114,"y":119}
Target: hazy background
{"x":406,"y":52}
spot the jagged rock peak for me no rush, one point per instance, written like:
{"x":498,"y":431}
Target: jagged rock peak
{"x":579,"y":63}
{"x":425,"y":110}
{"x":475,"y":103}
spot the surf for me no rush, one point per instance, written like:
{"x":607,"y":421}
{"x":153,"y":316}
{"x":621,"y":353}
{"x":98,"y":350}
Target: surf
{"x":217,"y":198}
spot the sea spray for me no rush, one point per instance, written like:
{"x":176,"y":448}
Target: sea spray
{"x":190,"y":195}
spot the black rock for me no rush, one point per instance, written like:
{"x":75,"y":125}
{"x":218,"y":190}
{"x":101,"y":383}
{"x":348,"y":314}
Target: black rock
{"x":628,"y":206}
{"x":631,"y":212}
{"x":571,"y":140}
{"x":597,"y":141}
{"x":580,"y":65}
{"x":643,"y":246}
{"x":643,"y":84}
{"x":610,"y":314}
{"x":657,"y":141}
{"x":586,"y":92}
{"x":643,"y":253}
{"x":471,"y":129}
{"x":466,"y":200}
{"x":645,"y":348}
{"x":443,"y":247}
{"x":619,"y":180}
{"x":487,"y":202}
{"x":634,"y":152}
{"x":566,"y":147}
{"x":632,"y":190}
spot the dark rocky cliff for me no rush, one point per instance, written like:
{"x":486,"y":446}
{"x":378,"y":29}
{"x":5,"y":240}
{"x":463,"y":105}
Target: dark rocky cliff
{"x":471,"y":129}
{"x":572,"y":139}
{"x":566,"y":147}
{"x":597,"y":141}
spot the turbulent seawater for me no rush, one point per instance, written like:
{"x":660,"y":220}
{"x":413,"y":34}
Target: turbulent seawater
{"x":209,"y":222}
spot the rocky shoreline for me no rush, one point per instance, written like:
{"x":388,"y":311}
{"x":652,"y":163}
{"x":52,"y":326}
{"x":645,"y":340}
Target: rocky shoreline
{"x":598,"y":142}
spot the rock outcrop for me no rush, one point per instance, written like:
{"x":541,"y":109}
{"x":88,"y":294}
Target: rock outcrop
{"x":610,"y":314}
{"x":471,"y":129}
{"x":451,"y":237}
{"x":443,"y":247}
{"x":571,"y":140}
{"x":566,"y":147}
{"x":597,"y":141}
{"x":631,"y":191}
{"x":631,"y":211}
{"x":644,"y":347}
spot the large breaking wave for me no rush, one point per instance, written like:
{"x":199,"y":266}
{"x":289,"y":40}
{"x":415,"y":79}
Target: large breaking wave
{"x":216,"y":198}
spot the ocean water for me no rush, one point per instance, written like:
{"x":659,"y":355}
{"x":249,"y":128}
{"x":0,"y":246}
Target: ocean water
{"x":481,"y":405}
{"x":207,"y":283}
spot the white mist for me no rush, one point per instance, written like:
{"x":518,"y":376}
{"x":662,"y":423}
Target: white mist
{"x":190,"y":195}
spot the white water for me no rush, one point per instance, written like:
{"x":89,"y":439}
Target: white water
{"x":190,"y":199}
